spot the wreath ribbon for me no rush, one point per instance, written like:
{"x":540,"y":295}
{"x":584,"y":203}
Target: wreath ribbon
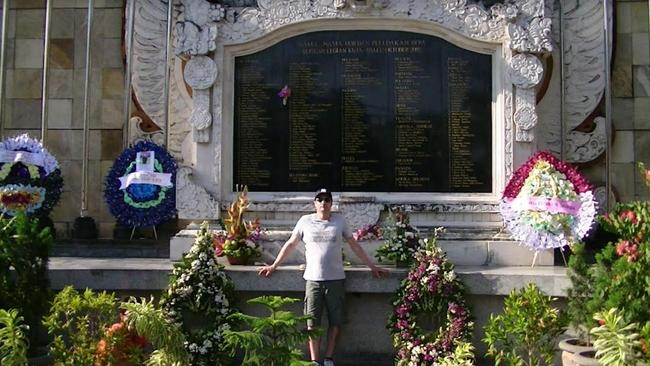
{"x":159,"y":179}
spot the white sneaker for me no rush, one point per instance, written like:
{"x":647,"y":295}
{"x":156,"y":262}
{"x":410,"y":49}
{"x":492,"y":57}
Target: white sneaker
{"x":328,"y":362}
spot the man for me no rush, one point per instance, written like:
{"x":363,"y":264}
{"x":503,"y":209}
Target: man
{"x":323,"y":233}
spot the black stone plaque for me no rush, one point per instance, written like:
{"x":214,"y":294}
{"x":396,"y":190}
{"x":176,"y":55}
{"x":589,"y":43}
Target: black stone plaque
{"x":369,"y":111}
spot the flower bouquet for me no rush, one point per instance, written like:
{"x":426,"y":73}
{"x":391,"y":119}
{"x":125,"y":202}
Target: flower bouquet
{"x":402,"y":240}
{"x":548,"y":203}
{"x":239,"y":241}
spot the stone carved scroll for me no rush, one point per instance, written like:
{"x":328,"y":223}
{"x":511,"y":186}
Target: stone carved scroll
{"x":200,"y":74}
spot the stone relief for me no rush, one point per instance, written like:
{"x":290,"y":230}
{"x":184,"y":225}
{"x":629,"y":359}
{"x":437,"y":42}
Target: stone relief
{"x":525,"y":73}
{"x":200,"y":74}
{"x":196,"y":34}
{"x":196,"y":27}
{"x":192,"y":201}
{"x":148,"y":75}
{"x":522,"y":26}
{"x":584,"y":66}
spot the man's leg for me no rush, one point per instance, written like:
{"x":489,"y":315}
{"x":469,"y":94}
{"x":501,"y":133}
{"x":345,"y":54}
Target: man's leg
{"x":335,"y":303}
{"x":314,"y":346}
{"x":314,"y":308}
{"x":332,"y":335}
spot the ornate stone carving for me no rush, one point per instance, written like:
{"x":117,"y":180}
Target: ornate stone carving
{"x":196,"y":29}
{"x":525,"y":71}
{"x":193,"y":202}
{"x":360,"y":214}
{"x":584,"y":80}
{"x":148,"y":75}
{"x":454,"y":207}
{"x":587,"y":146}
{"x":525,"y":117}
{"x":200,"y":74}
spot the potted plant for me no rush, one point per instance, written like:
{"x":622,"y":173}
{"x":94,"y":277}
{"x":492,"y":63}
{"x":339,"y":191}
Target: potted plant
{"x":239,"y":241}
{"x":401,"y":240}
{"x":272,"y":340}
{"x":526,"y":332}
{"x":24,"y":283}
{"x":581,"y":306}
{"x":616,"y":342}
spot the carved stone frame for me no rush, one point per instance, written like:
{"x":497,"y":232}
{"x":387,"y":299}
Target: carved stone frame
{"x":513,"y":33}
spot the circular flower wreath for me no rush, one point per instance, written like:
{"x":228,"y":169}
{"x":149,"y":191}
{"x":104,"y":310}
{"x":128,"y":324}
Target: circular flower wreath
{"x":548,"y":203}
{"x":141,"y":205}
{"x":25,"y":186}
{"x":431,"y":286}
{"x":200,"y":290}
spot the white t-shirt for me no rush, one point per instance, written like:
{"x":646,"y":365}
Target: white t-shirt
{"x":323,"y":246}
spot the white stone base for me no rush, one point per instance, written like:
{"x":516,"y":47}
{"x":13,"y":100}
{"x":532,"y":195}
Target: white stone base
{"x":460,"y":252}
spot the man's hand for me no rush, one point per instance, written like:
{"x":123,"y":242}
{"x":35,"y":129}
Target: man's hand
{"x":378,"y":271}
{"x":266,"y":271}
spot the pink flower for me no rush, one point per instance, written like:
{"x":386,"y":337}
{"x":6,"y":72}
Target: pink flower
{"x":629,"y":216}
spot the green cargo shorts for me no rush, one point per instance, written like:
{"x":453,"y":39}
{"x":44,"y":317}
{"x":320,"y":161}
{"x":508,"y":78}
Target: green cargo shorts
{"x":325,"y":294}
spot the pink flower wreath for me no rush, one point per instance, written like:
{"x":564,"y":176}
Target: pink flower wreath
{"x":548,"y":203}
{"x":431,"y":286}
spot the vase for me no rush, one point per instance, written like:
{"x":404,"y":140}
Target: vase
{"x":237,"y":261}
{"x":571,"y":347}
{"x":586,"y":358}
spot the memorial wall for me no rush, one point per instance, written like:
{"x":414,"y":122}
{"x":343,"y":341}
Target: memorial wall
{"x":368,"y":111}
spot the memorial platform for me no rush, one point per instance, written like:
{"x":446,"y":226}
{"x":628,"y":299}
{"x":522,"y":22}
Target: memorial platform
{"x":365,"y":339}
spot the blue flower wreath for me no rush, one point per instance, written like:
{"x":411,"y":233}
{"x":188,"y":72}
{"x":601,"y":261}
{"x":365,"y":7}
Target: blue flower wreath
{"x":30,"y":181}
{"x":141,"y":205}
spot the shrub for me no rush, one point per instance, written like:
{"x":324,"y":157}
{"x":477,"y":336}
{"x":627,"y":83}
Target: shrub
{"x":525,"y":334}
{"x":271,"y":340}
{"x":24,"y":255}
{"x":77,"y":322}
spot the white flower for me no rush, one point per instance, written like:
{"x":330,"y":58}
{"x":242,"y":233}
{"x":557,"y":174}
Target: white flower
{"x":450,"y":276}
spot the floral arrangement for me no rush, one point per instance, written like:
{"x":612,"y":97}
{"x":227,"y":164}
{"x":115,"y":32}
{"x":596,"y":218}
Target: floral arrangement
{"x":402,"y":240}
{"x":284,"y":93}
{"x":431,"y":286}
{"x":141,"y":204}
{"x":240,"y":238}
{"x":548,"y":203}
{"x":30,"y":177}
{"x":199,"y":299}
{"x":368,"y":232}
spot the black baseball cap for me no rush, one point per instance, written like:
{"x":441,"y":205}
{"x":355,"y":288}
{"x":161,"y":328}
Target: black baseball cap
{"x":323,"y":192}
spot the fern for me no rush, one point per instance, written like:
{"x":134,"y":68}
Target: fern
{"x":13,"y":338}
{"x":616,"y":343}
{"x":271,"y":340}
{"x":164,"y":335}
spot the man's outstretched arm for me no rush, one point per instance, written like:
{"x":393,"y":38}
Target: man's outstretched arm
{"x":287,"y":248}
{"x":356,"y":248}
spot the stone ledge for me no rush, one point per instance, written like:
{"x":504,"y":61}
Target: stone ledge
{"x":151,"y":274}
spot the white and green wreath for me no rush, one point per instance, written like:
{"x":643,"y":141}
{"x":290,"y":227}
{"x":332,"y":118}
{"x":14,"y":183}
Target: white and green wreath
{"x":199,"y":299}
